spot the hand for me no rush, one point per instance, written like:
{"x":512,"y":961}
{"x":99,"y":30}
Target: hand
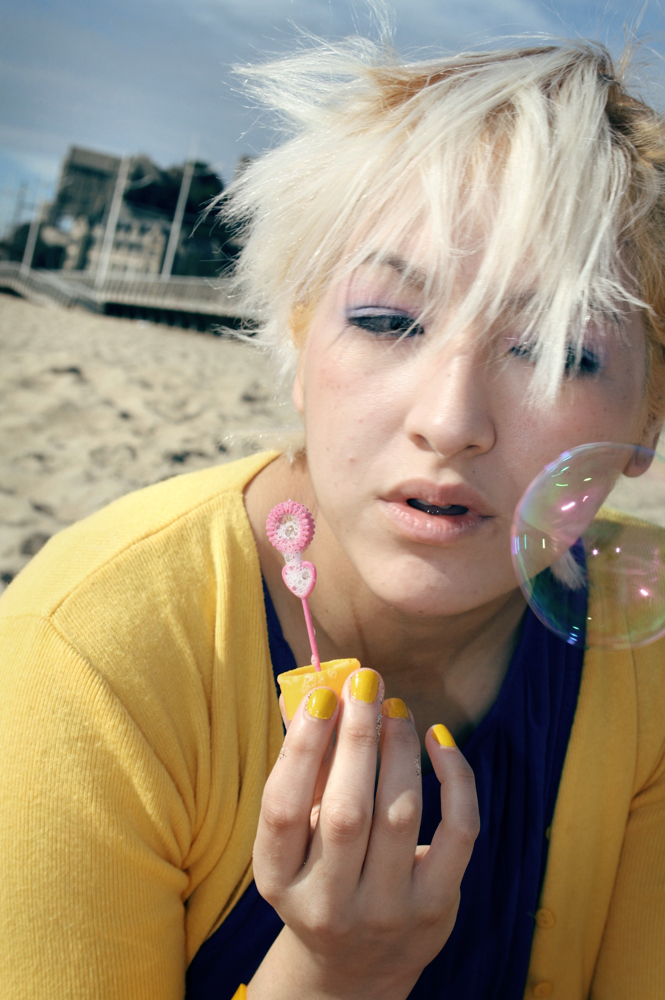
{"x":365,"y":909}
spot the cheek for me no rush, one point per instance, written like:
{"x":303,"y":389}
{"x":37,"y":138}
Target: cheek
{"x":530,"y":437}
{"x":332,"y":419}
{"x":350,"y":395}
{"x":610,"y":412}
{"x":606,"y":407}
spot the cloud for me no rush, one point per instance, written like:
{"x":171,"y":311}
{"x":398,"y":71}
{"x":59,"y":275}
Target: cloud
{"x":145,"y":75}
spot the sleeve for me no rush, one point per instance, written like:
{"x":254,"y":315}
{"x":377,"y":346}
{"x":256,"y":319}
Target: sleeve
{"x":93,"y":833}
{"x":631,"y":962}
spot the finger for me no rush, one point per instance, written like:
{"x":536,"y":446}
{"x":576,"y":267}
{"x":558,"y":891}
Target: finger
{"x":339,"y":844}
{"x":324,"y":771}
{"x":438,"y":873}
{"x":398,"y":803}
{"x":284,"y":823}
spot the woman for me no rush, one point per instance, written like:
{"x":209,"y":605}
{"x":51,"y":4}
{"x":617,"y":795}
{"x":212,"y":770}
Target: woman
{"x":461,"y":263}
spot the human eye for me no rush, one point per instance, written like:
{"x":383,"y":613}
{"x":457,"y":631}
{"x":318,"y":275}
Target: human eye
{"x":521,"y":351}
{"x":385,"y":322}
{"x":582,"y":363}
{"x":579,"y":363}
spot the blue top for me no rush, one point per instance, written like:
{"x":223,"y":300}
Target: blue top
{"x":517,"y":755}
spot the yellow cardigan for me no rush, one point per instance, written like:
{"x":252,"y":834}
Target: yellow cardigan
{"x":139,"y":722}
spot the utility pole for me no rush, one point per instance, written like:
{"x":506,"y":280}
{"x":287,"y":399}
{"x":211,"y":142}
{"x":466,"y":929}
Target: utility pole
{"x":6,"y":191}
{"x":176,"y":225}
{"x":19,"y":206}
{"x":112,"y":222}
{"x":33,"y":233}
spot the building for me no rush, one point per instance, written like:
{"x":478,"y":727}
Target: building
{"x":73,"y":232}
{"x":85,"y":188}
{"x":139,"y":244}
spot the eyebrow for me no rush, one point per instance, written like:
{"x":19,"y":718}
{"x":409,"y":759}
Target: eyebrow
{"x":417,"y":278}
{"x":520,"y":301}
{"x":414,"y":276}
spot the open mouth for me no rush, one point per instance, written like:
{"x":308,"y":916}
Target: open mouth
{"x":420,"y":513}
{"x":450,"y":510}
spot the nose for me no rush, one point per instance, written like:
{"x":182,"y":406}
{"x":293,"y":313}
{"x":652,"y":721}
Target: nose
{"x":451,"y":409}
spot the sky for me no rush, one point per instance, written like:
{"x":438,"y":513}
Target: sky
{"x":151,"y":76}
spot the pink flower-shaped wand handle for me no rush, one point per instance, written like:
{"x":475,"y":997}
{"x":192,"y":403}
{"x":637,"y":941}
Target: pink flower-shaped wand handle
{"x":290,"y":528}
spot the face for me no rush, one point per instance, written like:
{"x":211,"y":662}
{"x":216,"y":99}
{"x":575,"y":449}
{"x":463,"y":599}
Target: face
{"x":420,"y":441}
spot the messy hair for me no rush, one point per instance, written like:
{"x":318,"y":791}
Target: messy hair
{"x":536,"y":159}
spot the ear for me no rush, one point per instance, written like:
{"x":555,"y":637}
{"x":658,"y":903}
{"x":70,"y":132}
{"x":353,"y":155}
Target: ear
{"x":298,"y":393}
{"x":651,"y":434}
{"x":641,"y":460}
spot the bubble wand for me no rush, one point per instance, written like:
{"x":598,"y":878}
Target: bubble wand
{"x":290,"y":528}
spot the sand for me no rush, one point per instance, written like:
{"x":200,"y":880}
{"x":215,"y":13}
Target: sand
{"x":92,"y":407}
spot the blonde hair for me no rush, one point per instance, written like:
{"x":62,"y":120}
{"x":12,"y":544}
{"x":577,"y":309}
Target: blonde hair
{"x":541,"y":151}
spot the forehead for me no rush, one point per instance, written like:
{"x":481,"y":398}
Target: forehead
{"x":523,"y":230}
{"x":465,"y":245}
{"x":505,"y":238}
{"x":396,"y":274}
{"x":430,"y":287}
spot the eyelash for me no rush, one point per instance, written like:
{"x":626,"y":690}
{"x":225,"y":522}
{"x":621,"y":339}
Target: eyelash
{"x":390,"y":325}
{"x":587,"y":364}
{"x":393,"y":325}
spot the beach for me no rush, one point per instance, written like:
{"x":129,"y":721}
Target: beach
{"x":92,"y":407}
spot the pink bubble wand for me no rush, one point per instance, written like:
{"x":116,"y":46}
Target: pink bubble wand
{"x":290,"y":528}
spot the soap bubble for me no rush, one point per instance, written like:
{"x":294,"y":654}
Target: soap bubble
{"x":588,"y":545}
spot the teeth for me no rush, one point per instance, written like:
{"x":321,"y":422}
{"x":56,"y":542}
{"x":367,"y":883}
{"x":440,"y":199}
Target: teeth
{"x":430,"y":508}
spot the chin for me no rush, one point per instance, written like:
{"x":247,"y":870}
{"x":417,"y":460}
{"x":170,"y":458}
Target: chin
{"x":426,"y":588}
{"x":440,"y":598}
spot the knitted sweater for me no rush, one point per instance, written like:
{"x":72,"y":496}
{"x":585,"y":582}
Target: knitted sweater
{"x":139,"y":722}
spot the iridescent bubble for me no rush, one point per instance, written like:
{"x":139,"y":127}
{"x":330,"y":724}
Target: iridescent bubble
{"x":588,"y":545}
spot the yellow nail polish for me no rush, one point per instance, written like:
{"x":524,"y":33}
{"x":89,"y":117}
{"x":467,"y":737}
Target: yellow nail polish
{"x":443,"y":736}
{"x":365,"y":686}
{"x":394,"y":708}
{"x":321,"y":703}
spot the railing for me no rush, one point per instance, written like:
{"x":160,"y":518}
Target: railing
{"x":176,"y":301}
{"x":44,"y":287}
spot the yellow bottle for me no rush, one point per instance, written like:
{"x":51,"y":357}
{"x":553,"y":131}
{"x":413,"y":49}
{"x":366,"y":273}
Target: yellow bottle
{"x":296,"y":683}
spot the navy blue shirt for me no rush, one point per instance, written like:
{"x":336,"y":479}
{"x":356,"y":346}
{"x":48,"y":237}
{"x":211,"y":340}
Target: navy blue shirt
{"x":517,"y":755}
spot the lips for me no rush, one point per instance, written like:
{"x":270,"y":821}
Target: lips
{"x":428,"y":512}
{"x":439,"y":499}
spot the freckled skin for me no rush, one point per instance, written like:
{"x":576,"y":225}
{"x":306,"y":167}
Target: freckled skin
{"x":377,"y":413}
{"x":438,"y":620}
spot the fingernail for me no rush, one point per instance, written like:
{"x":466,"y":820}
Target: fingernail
{"x":394,"y":708}
{"x":443,"y":736}
{"x":321,"y":703}
{"x":365,"y":686}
